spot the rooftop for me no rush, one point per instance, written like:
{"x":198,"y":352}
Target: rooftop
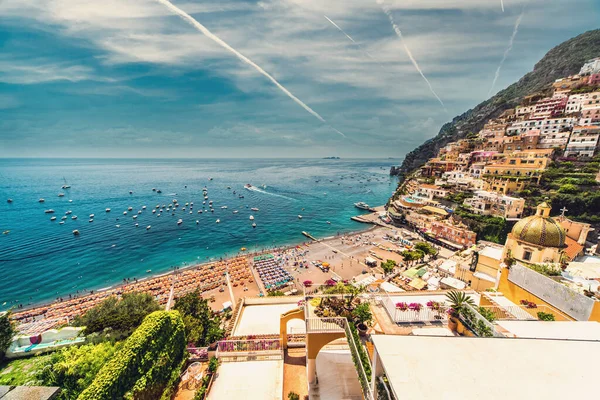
{"x":421,"y":367}
{"x":565,"y":330}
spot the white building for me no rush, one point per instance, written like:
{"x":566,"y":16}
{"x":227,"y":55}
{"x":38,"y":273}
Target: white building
{"x":583,"y":141}
{"x":496,"y":204}
{"x":591,"y":67}
{"x":431,"y":191}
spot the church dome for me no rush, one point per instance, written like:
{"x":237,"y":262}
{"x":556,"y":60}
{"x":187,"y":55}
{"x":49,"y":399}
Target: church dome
{"x":540,"y":229}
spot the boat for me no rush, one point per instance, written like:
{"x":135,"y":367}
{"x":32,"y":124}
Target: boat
{"x":137,"y":225}
{"x":50,"y":211}
{"x":210,"y":179}
{"x":139,"y":212}
{"x":70,"y":201}
{"x":154,"y":189}
{"x":148,"y":227}
{"x":53,"y":219}
{"x":254,"y":225}
{"x":131,"y":192}
{"x":252,"y":218}
{"x":240,"y":196}
{"x":248,"y":186}
{"x":159,"y":191}
{"x":218,"y":221}
{"x":117,"y":226}
{"x":107,"y":210}
{"x":41,"y":200}
{"x":5,"y":232}
{"x":61,"y":195}
{"x":235,"y":211}
{"x":129,"y":208}
{"x":66,"y":185}
{"x":153,"y":211}
{"x":64,"y":217}
{"x":9,"y":201}
{"x":224,"y":208}
{"x":199,"y":211}
{"x":255,"y":209}
{"x":91,"y":220}
{"x":362,"y":206}
{"x":74,"y":217}
{"x":197,"y":222}
{"x":228,"y":187}
{"x":329,"y":222}
{"x":212,"y":210}
{"x":179,"y":221}
{"x":143,"y":207}
{"x":124,"y":212}
{"x":75,"y":232}
{"x":148,"y":270}
{"x":69,"y":212}
{"x":299,"y":216}
{"x":135,"y":217}
{"x":92,"y":215}
{"x":61,"y":223}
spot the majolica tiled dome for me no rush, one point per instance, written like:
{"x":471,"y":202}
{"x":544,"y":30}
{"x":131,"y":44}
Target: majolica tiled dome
{"x":540,"y":229}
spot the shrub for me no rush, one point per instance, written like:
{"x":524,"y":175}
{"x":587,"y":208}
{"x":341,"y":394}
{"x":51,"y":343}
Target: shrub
{"x":307,"y":283}
{"x":544,"y":316}
{"x":202,"y":327}
{"x":362,"y":313}
{"x":7,"y":332}
{"x":415,"y":307}
{"x":568,"y":188}
{"x":144,"y":366}
{"x":402,"y":306}
{"x":293,"y":396}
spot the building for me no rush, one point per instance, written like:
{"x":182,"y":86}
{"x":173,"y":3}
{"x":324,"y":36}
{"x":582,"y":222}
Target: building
{"x":550,"y":107}
{"x":583,"y":141}
{"x":456,"y":235}
{"x":524,"y":141}
{"x":590,"y":108}
{"x":536,"y":239}
{"x":594,"y":80}
{"x":591,"y":67}
{"x":470,"y":368}
{"x":479,"y":266}
{"x":495,"y":204}
{"x":430,"y":191}
{"x":570,"y":82}
{"x":437,"y":166}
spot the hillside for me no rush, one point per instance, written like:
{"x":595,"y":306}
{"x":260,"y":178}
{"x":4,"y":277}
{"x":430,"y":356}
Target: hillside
{"x":563,"y":60}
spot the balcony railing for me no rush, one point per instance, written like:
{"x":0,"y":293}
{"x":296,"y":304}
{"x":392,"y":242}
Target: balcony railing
{"x":522,"y":313}
{"x":325,"y":325}
{"x":250,"y":346}
{"x":425,"y":314}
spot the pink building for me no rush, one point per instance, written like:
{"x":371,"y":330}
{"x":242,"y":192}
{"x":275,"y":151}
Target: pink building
{"x":594,"y":79}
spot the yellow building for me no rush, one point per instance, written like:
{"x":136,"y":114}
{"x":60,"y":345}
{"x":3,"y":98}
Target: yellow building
{"x":481,"y":266}
{"x":536,"y":239}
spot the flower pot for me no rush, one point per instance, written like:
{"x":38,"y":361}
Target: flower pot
{"x":452,"y":324}
{"x":362,"y":329}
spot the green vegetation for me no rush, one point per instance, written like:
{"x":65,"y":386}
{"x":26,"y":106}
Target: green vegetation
{"x":293,"y":396}
{"x":487,"y":313}
{"x":487,"y":227}
{"x":7,"y":332}
{"x":362,"y":313}
{"x":360,"y":356}
{"x":545,"y":269}
{"x":459,"y":197}
{"x":544,"y":316}
{"x":22,"y":371}
{"x":563,"y":60}
{"x":202,"y":327}
{"x":426,"y":248}
{"x":275,"y":293}
{"x":410,"y":256}
{"x":388,"y":266}
{"x":74,"y":368}
{"x":213,"y":364}
{"x":458,"y":301}
{"x":122,"y":316}
{"x":146,"y":365}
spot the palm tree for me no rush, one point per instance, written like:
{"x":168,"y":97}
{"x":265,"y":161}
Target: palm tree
{"x":458,"y":300}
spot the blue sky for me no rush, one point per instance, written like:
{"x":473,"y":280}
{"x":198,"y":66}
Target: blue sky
{"x":117,"y":78}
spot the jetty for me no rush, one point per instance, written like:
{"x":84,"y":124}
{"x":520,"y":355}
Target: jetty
{"x":308,"y":235}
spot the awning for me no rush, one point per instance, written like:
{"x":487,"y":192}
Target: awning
{"x":484,"y":276}
{"x":453,"y":283}
{"x":417,"y":283}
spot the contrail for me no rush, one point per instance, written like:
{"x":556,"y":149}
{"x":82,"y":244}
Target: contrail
{"x":508,"y":49}
{"x":502,"y":5}
{"x":412,"y":59}
{"x":349,"y":37}
{"x":189,"y":19}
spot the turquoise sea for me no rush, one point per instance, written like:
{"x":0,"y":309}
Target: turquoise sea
{"x":41,"y":259}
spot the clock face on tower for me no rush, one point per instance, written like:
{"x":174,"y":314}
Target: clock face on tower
{"x":474,"y":261}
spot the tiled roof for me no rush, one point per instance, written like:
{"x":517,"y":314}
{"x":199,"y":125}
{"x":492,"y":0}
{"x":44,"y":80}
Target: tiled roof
{"x":573,"y":248}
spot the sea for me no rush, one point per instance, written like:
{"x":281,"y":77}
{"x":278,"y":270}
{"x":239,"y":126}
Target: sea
{"x":41,"y":259}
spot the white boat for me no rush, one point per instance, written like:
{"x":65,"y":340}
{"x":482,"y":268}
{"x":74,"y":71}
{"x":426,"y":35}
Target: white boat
{"x":197,"y":222}
{"x":143,"y":207}
{"x":148,"y":227}
{"x":191,"y":212}
{"x":248,"y":186}
{"x":61,"y":223}
{"x":199,"y":211}
{"x":64,"y":217}
{"x":255,"y":209}
{"x":66,"y":185}
{"x":107,"y":210}
{"x":75,"y":232}
{"x":70,"y":201}
{"x":299,"y":216}
{"x":41,"y":200}
{"x":69,"y":212}
{"x":179,"y":222}
{"x":153,"y":211}
{"x":117,"y":226}
{"x":129,"y":208}
{"x":139,"y":211}
{"x":74,"y":217}
{"x":362,"y":206}
{"x":210,"y":202}
{"x":329,"y":222}
{"x":218,"y":221}
{"x":61,"y":195}
{"x":137,"y":225}
{"x":92,"y":215}
{"x":91,"y":220}
{"x":154,"y":189}
{"x":124,"y":212}
{"x":53,"y":219}
{"x":252,"y":218}
{"x":50,"y":211}
{"x":135,"y":217}
{"x":254,"y":225}
{"x":235,"y":211}
{"x":9,"y":201}
{"x":224,"y":208}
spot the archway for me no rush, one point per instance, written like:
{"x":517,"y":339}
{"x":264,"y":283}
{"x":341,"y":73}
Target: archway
{"x":297,"y":313}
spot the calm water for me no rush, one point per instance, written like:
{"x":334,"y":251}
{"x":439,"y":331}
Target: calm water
{"x":41,"y":259}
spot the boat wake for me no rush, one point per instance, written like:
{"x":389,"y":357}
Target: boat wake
{"x":255,"y":189}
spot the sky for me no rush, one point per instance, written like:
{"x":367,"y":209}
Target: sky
{"x":268,"y":78}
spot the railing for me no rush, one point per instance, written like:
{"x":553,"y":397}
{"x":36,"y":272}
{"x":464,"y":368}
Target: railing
{"x":325,"y":325}
{"x":425,"y":314}
{"x":481,"y":326}
{"x":521,"y":313}
{"x":249,"y":346}
{"x":363,"y":377}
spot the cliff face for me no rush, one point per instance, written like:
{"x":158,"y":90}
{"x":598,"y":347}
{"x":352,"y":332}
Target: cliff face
{"x":563,"y":60}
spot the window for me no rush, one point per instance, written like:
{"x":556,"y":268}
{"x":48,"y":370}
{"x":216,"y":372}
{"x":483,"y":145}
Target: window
{"x":526,"y":255}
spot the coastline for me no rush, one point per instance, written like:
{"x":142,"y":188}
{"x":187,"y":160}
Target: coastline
{"x":92,"y":292}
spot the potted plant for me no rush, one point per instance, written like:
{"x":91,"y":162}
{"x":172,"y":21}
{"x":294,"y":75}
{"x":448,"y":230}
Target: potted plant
{"x":402,"y":306}
{"x":361,"y":316}
{"x":458,"y":302}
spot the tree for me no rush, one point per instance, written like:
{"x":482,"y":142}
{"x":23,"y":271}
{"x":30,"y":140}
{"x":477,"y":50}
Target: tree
{"x":362,"y":313}
{"x":202,"y":327}
{"x":121,"y":315}
{"x":7,"y":332}
{"x":459,"y":301}
{"x":426,"y":248}
{"x":388,"y":266}
{"x":275,"y":293}
{"x":74,"y":368}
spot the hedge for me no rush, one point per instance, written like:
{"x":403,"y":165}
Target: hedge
{"x":143,"y":367}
